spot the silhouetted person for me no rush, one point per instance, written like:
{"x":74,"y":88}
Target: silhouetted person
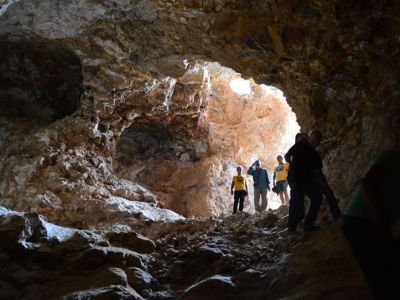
{"x":315,"y":137}
{"x":371,"y":224}
{"x":280,"y":175}
{"x":261,"y":185}
{"x":304,"y":166}
{"x":238,"y":190}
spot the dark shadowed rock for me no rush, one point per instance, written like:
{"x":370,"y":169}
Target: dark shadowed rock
{"x":159,"y":295}
{"x":12,"y":225}
{"x":252,"y":284}
{"x":113,"y":292}
{"x":82,"y":239}
{"x":132,"y":240}
{"x":139,"y":279}
{"x":199,"y":263}
{"x":268,"y":221}
{"x":97,"y":256}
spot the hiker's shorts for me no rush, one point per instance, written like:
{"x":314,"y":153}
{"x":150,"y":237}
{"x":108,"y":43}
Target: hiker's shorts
{"x":282,"y":185}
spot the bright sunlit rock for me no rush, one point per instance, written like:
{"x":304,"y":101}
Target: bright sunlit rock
{"x":240,"y":86}
{"x":271,"y":90}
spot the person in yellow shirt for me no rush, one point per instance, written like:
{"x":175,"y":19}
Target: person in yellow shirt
{"x":280,"y":175}
{"x":238,"y":190}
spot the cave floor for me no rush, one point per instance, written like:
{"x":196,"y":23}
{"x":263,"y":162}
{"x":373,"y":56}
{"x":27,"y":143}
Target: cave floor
{"x":241,"y":256}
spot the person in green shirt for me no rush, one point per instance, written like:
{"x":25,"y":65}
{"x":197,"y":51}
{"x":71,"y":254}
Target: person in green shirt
{"x":371,"y":222}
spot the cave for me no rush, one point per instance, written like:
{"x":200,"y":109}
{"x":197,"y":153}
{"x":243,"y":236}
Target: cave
{"x":241,"y":122}
{"x":101,"y":99}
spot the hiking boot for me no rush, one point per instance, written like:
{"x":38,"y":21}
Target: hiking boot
{"x":292,"y":230}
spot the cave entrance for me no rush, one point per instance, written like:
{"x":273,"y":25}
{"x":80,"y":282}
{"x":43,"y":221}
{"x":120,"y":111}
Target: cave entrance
{"x":216,"y":121}
{"x":249,"y":121}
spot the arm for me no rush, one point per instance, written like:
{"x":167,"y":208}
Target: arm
{"x":267,"y":177}
{"x":273,"y":180}
{"x":250,"y":171}
{"x":232,"y":185}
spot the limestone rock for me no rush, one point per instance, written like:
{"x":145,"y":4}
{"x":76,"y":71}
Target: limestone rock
{"x":139,"y":279}
{"x":214,"y":287}
{"x":111,"y":292}
{"x":132,"y":240}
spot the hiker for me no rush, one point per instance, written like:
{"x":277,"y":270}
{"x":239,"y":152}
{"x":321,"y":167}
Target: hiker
{"x":371,"y":224}
{"x":280,"y":174}
{"x":304,"y":164}
{"x":260,"y":184}
{"x":315,"y":137}
{"x":238,"y":190}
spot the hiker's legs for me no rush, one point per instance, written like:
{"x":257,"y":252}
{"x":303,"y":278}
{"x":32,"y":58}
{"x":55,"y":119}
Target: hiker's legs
{"x":236,"y":196}
{"x":286,"y":196}
{"x":264,"y":200}
{"x":332,"y":201}
{"x":312,"y":192}
{"x":282,"y":188}
{"x":241,"y":200}
{"x":296,"y":203}
{"x":285,"y":193}
{"x":281,"y":197}
{"x":257,"y":195}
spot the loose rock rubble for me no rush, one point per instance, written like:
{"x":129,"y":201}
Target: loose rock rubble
{"x":243,"y":257}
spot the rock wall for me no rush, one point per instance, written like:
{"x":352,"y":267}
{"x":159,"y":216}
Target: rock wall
{"x":335,"y":61}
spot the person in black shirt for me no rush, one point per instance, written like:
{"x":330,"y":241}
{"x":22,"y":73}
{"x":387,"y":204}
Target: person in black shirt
{"x":304,"y":165}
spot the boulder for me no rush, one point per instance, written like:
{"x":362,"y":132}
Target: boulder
{"x":97,"y":256}
{"x":131,"y":240}
{"x":139,"y":279}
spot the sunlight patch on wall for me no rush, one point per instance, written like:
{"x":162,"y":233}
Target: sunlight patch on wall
{"x":240,"y":86}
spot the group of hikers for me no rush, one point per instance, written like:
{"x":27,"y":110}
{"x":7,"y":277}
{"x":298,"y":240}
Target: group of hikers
{"x":302,"y":171}
{"x":371,"y":221}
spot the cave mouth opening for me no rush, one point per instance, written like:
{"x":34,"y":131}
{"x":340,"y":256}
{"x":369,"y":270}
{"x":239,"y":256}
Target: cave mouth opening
{"x":191,"y":173}
{"x":249,"y":121}
{"x":40,"y":79}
